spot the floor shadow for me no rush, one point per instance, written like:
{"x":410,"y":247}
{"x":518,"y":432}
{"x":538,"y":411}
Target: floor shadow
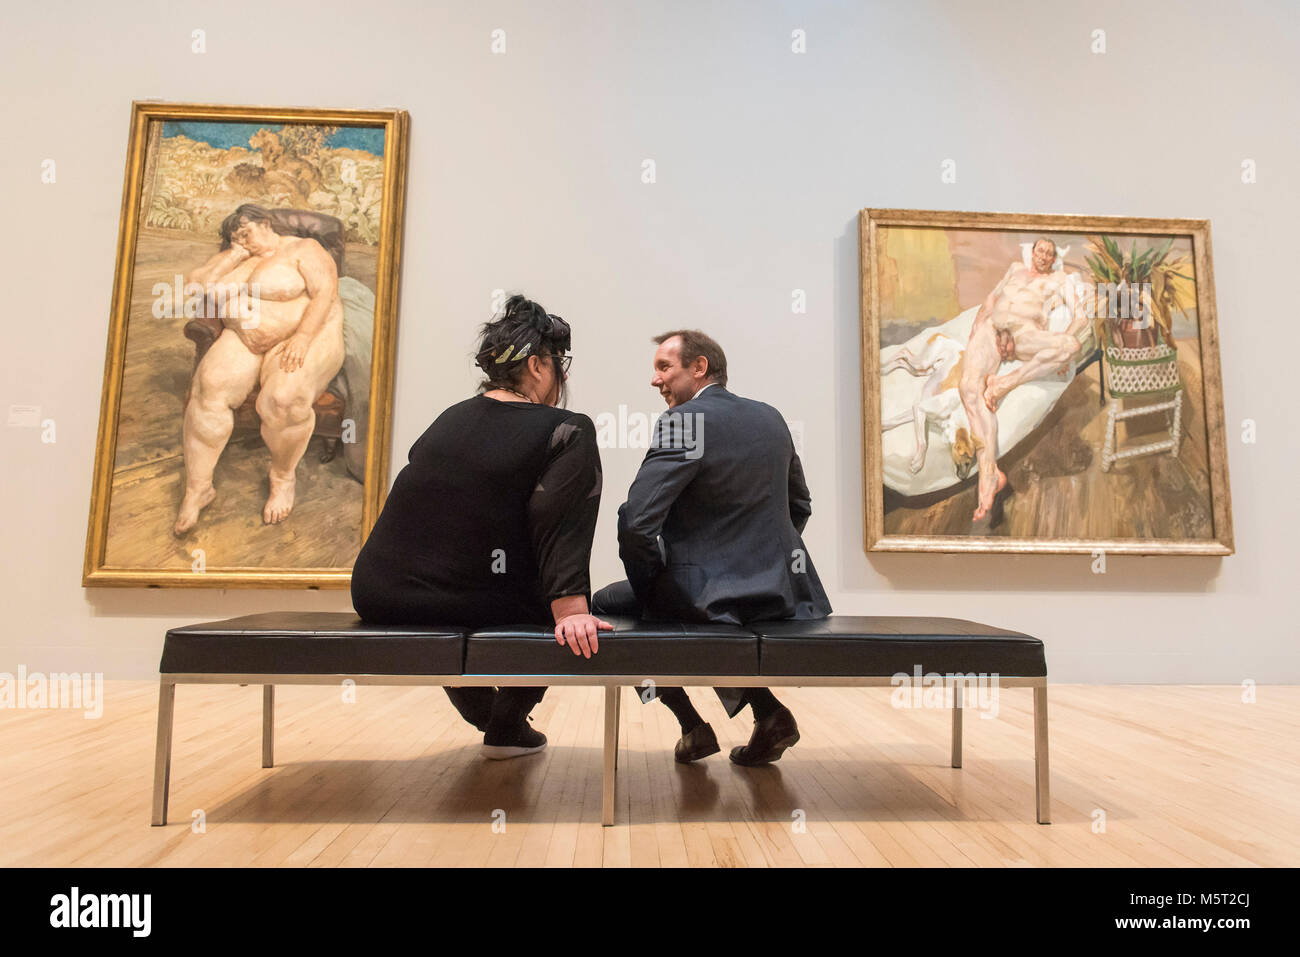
{"x":456,"y":788}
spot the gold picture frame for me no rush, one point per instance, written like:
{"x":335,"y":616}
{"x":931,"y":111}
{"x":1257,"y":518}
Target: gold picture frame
{"x":927,"y":270}
{"x":323,"y":162}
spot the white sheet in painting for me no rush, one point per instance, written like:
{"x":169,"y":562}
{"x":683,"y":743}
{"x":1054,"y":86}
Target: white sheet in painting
{"x":1019,"y":413}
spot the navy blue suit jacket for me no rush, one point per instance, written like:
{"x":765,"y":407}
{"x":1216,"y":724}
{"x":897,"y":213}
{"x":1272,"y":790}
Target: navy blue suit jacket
{"x":711,"y":527}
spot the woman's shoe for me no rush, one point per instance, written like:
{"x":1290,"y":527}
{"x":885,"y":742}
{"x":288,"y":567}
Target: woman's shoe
{"x":513,"y":743}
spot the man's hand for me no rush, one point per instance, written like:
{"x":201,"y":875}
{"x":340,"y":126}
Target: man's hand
{"x":579,"y":633}
{"x":239,"y":252}
{"x":295,"y":352}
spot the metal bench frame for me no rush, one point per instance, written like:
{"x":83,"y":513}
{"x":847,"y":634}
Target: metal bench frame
{"x":612,"y":685}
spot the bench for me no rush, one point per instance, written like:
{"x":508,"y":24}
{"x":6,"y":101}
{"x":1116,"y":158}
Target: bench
{"x":326,"y":648}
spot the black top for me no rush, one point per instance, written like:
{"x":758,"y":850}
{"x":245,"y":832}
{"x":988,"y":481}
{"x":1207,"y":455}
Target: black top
{"x":491,"y":519}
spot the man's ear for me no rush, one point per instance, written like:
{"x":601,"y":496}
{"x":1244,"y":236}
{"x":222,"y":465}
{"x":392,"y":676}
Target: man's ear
{"x":701,"y":366}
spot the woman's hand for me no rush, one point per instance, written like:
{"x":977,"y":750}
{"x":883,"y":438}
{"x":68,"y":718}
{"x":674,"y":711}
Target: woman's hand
{"x":295,"y":351}
{"x":579,"y":633}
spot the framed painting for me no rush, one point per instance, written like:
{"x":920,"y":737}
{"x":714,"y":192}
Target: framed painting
{"x":1041,"y":383}
{"x":247,"y":397}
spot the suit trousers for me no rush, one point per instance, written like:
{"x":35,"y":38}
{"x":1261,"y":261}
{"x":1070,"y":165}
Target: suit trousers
{"x":620,"y":599}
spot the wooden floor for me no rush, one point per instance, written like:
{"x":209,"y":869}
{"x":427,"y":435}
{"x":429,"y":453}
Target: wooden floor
{"x":1141,"y":775}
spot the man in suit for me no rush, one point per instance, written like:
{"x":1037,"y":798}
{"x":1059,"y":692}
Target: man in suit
{"x":711,"y":531}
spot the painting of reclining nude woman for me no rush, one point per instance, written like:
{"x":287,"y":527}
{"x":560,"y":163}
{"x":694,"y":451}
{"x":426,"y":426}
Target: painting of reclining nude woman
{"x":1041,"y":384}
{"x":244,"y":424}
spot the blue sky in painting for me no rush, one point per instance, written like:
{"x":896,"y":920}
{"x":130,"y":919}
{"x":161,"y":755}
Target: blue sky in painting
{"x":225,"y":135}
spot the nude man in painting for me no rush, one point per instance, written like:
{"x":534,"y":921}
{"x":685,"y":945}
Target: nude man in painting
{"x":293,"y":347}
{"x":1012,"y":324}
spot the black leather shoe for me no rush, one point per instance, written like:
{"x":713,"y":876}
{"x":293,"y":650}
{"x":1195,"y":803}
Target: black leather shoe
{"x":698,"y":743}
{"x":771,"y":737}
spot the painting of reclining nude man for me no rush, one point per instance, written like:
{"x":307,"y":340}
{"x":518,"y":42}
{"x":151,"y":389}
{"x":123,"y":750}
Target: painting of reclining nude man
{"x":243,"y":434}
{"x":1037,"y":383}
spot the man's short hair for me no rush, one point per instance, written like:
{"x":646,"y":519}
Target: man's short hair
{"x":1044,"y":239}
{"x":696,"y":344}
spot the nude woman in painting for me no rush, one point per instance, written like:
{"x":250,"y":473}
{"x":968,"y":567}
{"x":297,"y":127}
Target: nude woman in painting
{"x":291,"y":342}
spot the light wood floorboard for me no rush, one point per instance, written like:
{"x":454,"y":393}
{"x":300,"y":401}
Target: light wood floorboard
{"x":1141,"y":776}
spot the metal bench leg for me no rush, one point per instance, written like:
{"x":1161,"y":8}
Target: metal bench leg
{"x":1042,"y":786}
{"x":958,"y":693}
{"x":618,"y":722}
{"x":611,"y":754}
{"x":162,"y":760}
{"x":268,"y":726}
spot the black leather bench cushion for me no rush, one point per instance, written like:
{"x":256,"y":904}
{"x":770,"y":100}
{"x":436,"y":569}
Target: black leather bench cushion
{"x":340,"y":643}
{"x":889,"y":645}
{"x":311,"y":643}
{"x":632,"y":648}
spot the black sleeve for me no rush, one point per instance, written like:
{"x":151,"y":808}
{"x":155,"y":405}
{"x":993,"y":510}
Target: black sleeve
{"x":562,"y":510}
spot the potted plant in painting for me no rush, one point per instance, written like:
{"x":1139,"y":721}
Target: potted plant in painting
{"x":1135,"y":315}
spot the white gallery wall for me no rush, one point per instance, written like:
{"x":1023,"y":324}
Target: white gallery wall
{"x":526,"y":174}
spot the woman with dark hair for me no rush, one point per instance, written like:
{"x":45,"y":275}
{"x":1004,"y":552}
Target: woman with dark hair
{"x":492,"y":519}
